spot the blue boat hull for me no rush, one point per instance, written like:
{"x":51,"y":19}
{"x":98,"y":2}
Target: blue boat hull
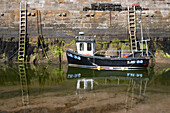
{"x":106,"y":63}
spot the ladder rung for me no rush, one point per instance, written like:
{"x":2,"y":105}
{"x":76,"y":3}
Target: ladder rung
{"x":22,"y":47}
{"x":21,"y":52}
{"x":22,"y":14}
{"x":131,"y":14}
{"x":20,"y":59}
{"x":131,"y":22}
{"x":131,"y":17}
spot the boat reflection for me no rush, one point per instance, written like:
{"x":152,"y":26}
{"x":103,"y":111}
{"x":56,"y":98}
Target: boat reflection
{"x":135,"y":82}
{"x":89,"y":73}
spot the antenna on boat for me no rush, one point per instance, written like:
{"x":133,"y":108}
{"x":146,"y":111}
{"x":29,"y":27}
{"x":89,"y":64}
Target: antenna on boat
{"x":140,"y":22}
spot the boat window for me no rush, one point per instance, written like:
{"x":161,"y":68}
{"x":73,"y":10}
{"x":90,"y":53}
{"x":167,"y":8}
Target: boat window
{"x":88,"y":46}
{"x":81,"y":47}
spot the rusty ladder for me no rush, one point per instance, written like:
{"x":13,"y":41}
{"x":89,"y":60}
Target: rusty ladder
{"x":21,"y":52}
{"x":22,"y":32}
{"x":132,"y":28}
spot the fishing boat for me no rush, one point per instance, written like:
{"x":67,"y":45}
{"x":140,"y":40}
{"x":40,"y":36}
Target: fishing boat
{"x":86,"y":57}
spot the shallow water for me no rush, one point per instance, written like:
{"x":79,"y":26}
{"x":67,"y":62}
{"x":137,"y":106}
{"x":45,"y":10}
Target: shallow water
{"x":62,"y":89}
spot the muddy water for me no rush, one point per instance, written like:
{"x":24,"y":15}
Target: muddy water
{"x":61,"y":89}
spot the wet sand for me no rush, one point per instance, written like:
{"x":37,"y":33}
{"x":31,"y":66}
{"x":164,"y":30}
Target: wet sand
{"x":109,"y":100}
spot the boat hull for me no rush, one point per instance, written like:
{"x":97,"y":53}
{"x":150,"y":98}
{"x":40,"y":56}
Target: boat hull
{"x":106,"y":63}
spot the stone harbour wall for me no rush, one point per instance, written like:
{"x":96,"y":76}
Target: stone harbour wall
{"x":65,"y":18}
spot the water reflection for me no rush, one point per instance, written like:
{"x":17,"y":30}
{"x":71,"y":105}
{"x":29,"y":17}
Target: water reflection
{"x":25,"y":87}
{"x":135,"y":81}
{"x":88,"y":73}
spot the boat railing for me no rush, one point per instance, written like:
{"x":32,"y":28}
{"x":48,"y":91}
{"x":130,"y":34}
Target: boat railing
{"x":146,"y":46}
{"x":121,"y":53}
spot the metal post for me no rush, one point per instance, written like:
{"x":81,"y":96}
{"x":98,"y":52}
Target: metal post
{"x":146,"y":47}
{"x":141,"y":30}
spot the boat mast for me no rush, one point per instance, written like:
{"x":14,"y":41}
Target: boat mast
{"x":140,"y":22}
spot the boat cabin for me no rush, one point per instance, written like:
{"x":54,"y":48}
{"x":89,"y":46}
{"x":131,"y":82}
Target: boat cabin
{"x":85,"y":45}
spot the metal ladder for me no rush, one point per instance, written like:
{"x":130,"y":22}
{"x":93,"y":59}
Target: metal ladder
{"x":22,"y":31}
{"x":23,"y":82}
{"x":132,"y":28}
{"x":21,"y":52}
